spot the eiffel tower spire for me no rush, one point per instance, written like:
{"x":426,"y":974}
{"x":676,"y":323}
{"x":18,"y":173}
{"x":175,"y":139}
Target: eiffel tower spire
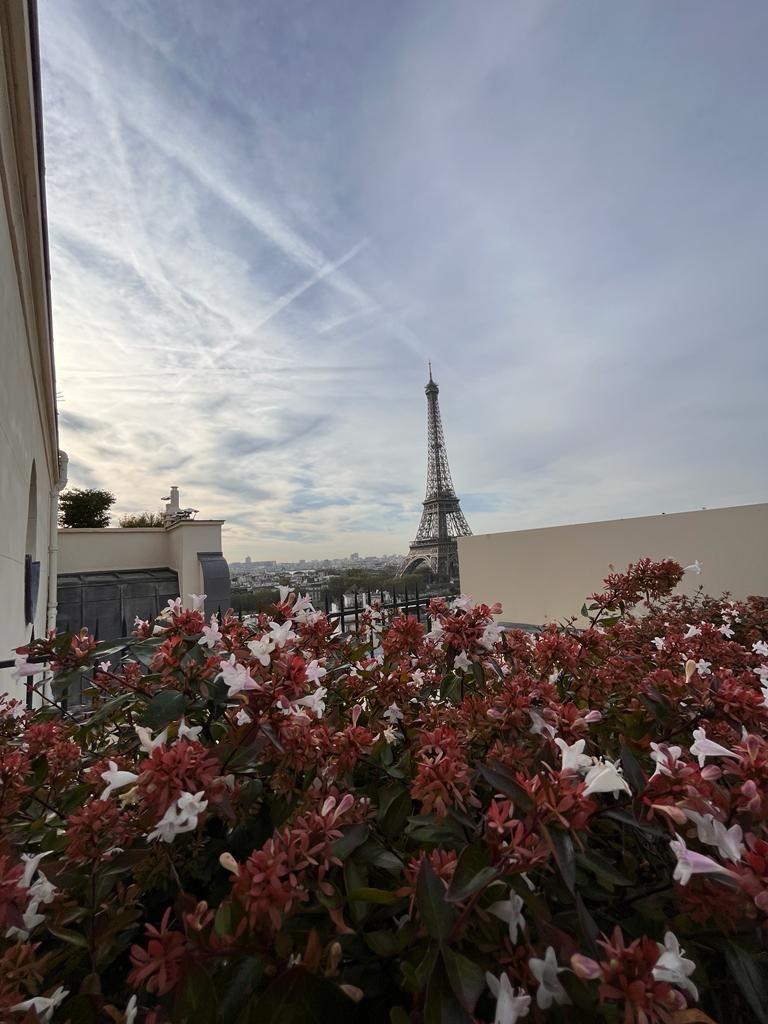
{"x":442,"y":520}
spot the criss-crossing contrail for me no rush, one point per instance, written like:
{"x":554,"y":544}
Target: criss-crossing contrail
{"x":282,"y":303}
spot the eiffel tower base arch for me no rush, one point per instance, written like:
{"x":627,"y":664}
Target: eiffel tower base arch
{"x":442,"y":557}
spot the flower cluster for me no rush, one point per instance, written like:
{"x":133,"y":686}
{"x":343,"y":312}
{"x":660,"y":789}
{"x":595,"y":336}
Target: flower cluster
{"x":435,"y":819}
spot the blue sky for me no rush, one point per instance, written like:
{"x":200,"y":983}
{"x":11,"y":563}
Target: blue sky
{"x":265,"y":217}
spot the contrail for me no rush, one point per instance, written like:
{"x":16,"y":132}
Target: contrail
{"x":283,"y":302}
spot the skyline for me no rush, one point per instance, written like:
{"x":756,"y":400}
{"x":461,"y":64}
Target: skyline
{"x":264,"y":225}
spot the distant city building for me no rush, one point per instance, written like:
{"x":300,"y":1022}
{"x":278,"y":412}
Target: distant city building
{"x":247,"y":559}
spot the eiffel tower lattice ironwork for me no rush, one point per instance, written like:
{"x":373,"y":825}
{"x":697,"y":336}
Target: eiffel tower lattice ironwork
{"x":442,"y":520}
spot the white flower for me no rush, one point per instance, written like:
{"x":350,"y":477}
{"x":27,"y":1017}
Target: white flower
{"x":390,"y":734}
{"x":31,"y":862}
{"x":30,"y":920}
{"x":545,"y":972}
{"x":281,"y":633}
{"x":284,"y":592}
{"x":188,"y":732}
{"x":105,"y":666}
{"x":211,"y":634}
{"x":198,"y":602}
{"x":303,"y":610}
{"x":658,"y":642}
{"x":672,"y":967}
{"x":593,"y":716}
{"x":145,"y":738}
{"x":180,"y":817}
{"x":131,"y":1010}
{"x":762,"y":672}
{"x":692,"y":632}
{"x":314,"y":672}
{"x":726,"y":630}
{"x":511,"y":911}
{"x":138,"y":621}
{"x":605,"y":777}
{"x":417,"y":677}
{"x":315,"y":702}
{"x":510,"y":1008}
{"x":23,"y":668}
{"x":393,"y":714}
{"x":116,"y":779}
{"x":491,"y":635}
{"x":173,"y":608}
{"x":704,"y":748}
{"x":243,"y":718}
{"x":462,"y":662}
{"x":462,"y":603}
{"x":435,"y":634}
{"x":691,"y":863}
{"x":574,"y":758}
{"x":42,"y":891}
{"x":704,"y":668}
{"x":541,"y":727}
{"x":696,"y":567}
{"x":714,"y":833}
{"x":760,"y":647}
{"x":237,"y":677}
{"x":667,"y":759}
{"x":262,"y":649}
{"x":42,"y":1005}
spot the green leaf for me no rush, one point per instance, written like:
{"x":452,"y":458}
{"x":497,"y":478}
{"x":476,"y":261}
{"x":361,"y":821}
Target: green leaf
{"x":366,"y":894}
{"x":164,"y":707}
{"x":589,"y":929}
{"x":108,"y":709}
{"x":437,"y":915}
{"x":354,"y":836}
{"x":562,"y":847}
{"x":70,"y":936}
{"x":196,"y":1000}
{"x":237,"y":985}
{"x":442,"y":1006}
{"x":633,"y":773}
{"x":222,"y":923}
{"x":616,"y":814}
{"x":504,"y":782}
{"x":107,"y":648}
{"x":473,"y":871}
{"x":450,"y":688}
{"x":388,"y":944}
{"x":297,"y":997}
{"x":601,"y":868}
{"x":397,"y":1015}
{"x":750,"y":977}
{"x":467,"y":979}
{"x":393,"y":821}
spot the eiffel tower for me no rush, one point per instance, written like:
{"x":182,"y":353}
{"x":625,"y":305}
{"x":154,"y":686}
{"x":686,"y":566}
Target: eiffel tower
{"x":442,"y":520}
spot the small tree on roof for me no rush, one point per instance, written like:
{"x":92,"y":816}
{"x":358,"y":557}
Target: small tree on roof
{"x":84,"y":508}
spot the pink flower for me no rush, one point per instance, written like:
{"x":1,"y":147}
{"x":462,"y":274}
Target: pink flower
{"x":691,"y":863}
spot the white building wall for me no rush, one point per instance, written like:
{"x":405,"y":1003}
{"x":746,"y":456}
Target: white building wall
{"x":544,"y":575}
{"x":116,"y":548}
{"x":28,"y":435}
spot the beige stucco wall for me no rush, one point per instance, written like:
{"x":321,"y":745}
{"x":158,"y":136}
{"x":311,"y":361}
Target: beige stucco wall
{"x":151,"y":548}
{"x":544,"y":575}
{"x":28,"y":433}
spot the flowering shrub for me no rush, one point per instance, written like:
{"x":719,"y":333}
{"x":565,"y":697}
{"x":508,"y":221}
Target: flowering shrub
{"x":266,"y":821}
